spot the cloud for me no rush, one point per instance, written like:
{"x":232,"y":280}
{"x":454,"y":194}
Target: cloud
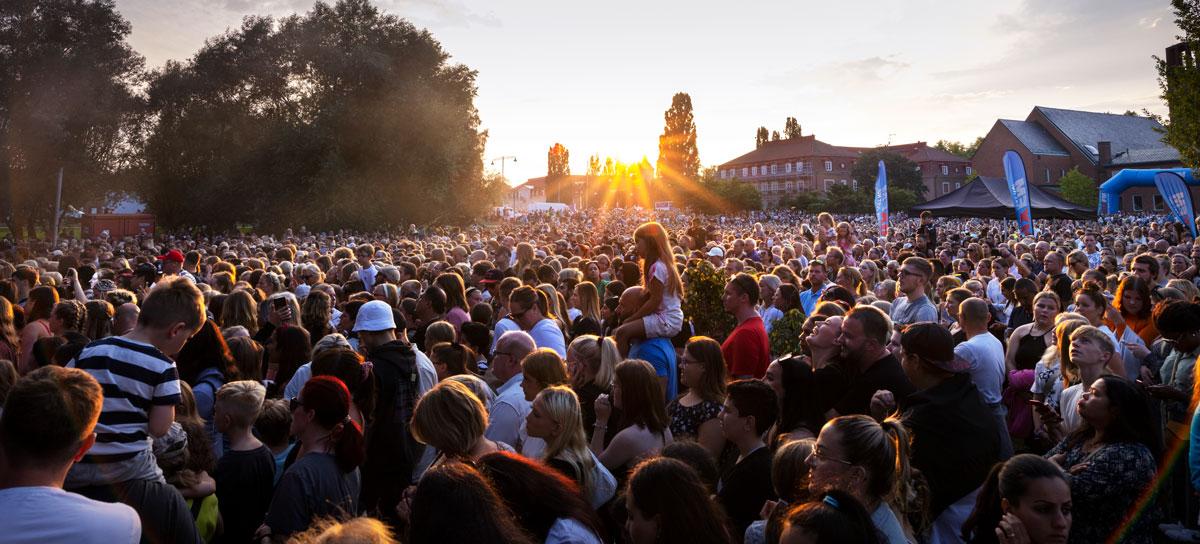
{"x":843,"y":74}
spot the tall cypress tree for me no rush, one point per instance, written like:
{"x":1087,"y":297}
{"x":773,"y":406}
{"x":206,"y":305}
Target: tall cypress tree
{"x":678,"y":158}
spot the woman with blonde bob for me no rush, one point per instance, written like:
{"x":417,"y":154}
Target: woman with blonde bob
{"x":591,"y":362}
{"x":555,"y":418}
{"x":541,"y":369}
{"x":452,"y":419}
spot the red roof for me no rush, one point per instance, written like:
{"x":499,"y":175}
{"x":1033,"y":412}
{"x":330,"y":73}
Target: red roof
{"x":793,"y":148}
{"x":919,"y":152}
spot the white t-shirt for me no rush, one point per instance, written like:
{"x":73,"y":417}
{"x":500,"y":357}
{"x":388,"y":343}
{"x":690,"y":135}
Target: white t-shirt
{"x":49,"y":514}
{"x":986,"y":356}
{"x":1068,"y":404}
{"x":670,"y":302}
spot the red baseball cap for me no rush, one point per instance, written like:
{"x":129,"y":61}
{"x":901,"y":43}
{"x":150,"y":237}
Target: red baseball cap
{"x":172,"y":255}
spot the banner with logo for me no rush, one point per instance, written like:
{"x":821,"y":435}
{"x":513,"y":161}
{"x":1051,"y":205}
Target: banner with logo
{"x":1018,"y":187}
{"x":881,"y":203}
{"x":1104,"y":208}
{"x":1178,"y":198}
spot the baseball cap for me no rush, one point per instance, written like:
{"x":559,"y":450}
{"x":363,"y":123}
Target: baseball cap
{"x":172,"y":255}
{"x":934,"y":344}
{"x":716,"y":251}
{"x":374,"y":316}
{"x":492,"y":276}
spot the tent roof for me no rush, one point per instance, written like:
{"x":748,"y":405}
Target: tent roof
{"x":989,"y":197}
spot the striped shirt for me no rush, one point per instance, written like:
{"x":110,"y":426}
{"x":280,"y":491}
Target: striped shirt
{"x":134,"y":377}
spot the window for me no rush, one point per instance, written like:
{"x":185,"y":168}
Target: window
{"x":1062,"y":173}
{"x":773,"y":171}
{"x":843,"y":182}
{"x":753,"y":170}
{"x":799,"y":165}
{"x":1047,"y":175}
{"x":787,"y":186}
{"x":854,"y":183}
{"x":1137,"y":203}
{"x":787,"y":168}
{"x":958,"y":185}
{"x":1158,"y":203}
{"x":945,"y":186}
{"x":918,"y":168}
{"x":745,"y":171}
{"x":828,"y":166}
{"x":828,"y":182}
{"x":843,"y":166}
{"x":968,"y":170}
{"x":723,"y":173}
{"x":945,"y":169}
{"x":955,"y":169}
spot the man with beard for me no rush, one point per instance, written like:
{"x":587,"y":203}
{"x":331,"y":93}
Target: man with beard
{"x":869,"y":364}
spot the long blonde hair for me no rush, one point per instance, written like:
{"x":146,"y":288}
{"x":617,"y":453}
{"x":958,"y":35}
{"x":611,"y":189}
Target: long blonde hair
{"x":570,"y":445}
{"x":240,"y":309}
{"x":589,"y":300}
{"x":600,"y":355}
{"x":660,"y":250}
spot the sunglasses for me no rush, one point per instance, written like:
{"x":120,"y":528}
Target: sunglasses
{"x":293,"y":403}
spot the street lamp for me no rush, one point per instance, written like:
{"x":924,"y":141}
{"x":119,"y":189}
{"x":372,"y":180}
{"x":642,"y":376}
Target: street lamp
{"x":502,"y":159}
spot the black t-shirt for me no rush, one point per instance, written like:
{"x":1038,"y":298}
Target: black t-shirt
{"x":885,"y":373}
{"x":313,"y":487}
{"x":744,"y":487}
{"x":245,"y":481}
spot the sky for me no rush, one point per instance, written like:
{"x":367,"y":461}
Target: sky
{"x":597,"y":77}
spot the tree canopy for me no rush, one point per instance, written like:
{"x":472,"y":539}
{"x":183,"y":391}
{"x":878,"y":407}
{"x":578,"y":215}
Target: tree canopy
{"x":1076,"y":187}
{"x":761,"y":136}
{"x":957,"y":148}
{"x":341,"y":116}
{"x":902,"y":173}
{"x":1180,"y":85}
{"x":716,"y":195}
{"x":791,"y":128}
{"x":66,"y":72}
{"x":678,"y":158}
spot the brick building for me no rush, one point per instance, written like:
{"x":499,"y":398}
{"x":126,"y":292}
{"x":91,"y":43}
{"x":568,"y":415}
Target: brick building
{"x":1052,"y":141}
{"x":783,"y":168}
{"x":942,"y":172}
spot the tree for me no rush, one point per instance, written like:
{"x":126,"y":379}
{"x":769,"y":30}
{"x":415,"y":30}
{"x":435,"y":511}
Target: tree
{"x":761,"y":137}
{"x":901,"y":172}
{"x":774,"y":135}
{"x":339,"y":117}
{"x":66,"y":75}
{"x":558,"y":167}
{"x":791,"y":128}
{"x":1180,"y":86}
{"x":957,"y":148}
{"x":1077,"y":188}
{"x":678,"y":158}
{"x":844,"y":199}
{"x":715,"y":195}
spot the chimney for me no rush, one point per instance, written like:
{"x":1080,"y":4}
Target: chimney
{"x":1105,"y":152}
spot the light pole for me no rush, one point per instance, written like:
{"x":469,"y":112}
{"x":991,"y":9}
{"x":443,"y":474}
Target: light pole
{"x":502,"y":159}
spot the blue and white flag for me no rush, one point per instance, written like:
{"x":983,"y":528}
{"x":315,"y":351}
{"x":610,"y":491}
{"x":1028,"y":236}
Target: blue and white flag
{"x":1178,"y":198}
{"x":881,"y":203}
{"x":1014,"y":171}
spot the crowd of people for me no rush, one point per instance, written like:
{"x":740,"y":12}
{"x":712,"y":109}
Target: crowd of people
{"x":544,"y":379}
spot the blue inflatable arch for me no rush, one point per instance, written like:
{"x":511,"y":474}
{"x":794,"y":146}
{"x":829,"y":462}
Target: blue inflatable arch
{"x":1111,"y":189}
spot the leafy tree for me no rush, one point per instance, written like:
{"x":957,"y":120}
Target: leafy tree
{"x":899,"y":200}
{"x":715,"y":195}
{"x":774,"y":135}
{"x":678,"y":158}
{"x":558,"y":167}
{"x":844,"y":199}
{"x":761,"y":137}
{"x":791,"y":128}
{"x":1180,"y":87}
{"x":339,"y":117}
{"x":957,"y":148}
{"x":66,"y":75}
{"x":901,"y":172}
{"x":1077,"y":188}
